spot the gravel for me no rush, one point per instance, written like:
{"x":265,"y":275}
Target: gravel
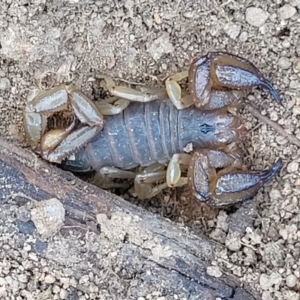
{"x":44,"y":43}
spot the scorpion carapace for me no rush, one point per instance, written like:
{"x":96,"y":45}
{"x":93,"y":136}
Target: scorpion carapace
{"x":117,"y":136}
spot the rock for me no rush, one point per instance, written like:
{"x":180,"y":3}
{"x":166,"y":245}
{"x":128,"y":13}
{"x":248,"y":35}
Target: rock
{"x":291,"y":280}
{"x":233,"y":242}
{"x":295,"y":84}
{"x":286,"y":11}
{"x":244,"y":36}
{"x":275,"y":195}
{"x":214,"y":271}
{"x":256,"y":16}
{"x":49,"y":279}
{"x":48,"y":216}
{"x":295,"y":2}
{"x":296,"y":110}
{"x":232,"y":30}
{"x":274,"y":115}
{"x":264,"y":281}
{"x":4,"y":84}
{"x":284,"y":63}
{"x":292,"y":167}
{"x":296,"y":65}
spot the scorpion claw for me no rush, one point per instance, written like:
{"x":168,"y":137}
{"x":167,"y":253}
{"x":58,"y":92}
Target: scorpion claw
{"x":223,"y":71}
{"x":221,"y":188}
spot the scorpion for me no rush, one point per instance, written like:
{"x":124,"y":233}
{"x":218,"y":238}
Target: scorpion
{"x":178,"y":137}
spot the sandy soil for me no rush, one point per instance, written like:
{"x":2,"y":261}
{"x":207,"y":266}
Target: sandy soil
{"x":44,"y":43}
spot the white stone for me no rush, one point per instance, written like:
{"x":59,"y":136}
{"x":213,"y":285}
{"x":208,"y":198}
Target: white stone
{"x":232,"y":30}
{"x":264,"y":281}
{"x":256,"y":16}
{"x":295,"y":84}
{"x":286,"y":11}
{"x":291,"y":280}
{"x":244,"y":36}
{"x":284,"y":63}
{"x":292,"y":167}
{"x":48,"y":216}
{"x":214,"y":271}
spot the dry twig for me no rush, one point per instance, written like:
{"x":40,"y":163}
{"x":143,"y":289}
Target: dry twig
{"x":279,"y":129}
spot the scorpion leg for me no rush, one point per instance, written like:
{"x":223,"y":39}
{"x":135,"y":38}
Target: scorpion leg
{"x":215,"y":181}
{"x":222,"y":71}
{"x":176,"y":163}
{"x":175,"y":93}
{"x":112,"y":172}
{"x":143,"y":184}
{"x":126,"y":93}
{"x":112,"y":105}
{"x":106,"y":182}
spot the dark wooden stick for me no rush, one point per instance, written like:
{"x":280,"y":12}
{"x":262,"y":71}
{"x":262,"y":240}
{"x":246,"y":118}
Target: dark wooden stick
{"x":104,"y":234}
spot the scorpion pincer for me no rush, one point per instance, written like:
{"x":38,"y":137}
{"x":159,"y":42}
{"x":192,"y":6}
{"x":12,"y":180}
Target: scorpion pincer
{"x":153,"y":128}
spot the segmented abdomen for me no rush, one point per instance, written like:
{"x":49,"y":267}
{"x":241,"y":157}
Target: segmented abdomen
{"x":140,"y":135}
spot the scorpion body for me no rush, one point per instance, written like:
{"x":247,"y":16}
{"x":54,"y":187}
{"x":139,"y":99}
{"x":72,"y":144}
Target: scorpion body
{"x":139,"y":128}
{"x":146,"y":133}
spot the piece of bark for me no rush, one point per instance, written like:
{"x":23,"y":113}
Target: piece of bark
{"x":130,"y":248}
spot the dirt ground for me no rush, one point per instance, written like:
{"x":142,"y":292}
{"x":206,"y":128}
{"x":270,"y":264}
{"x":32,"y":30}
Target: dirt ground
{"x":45,"y":43}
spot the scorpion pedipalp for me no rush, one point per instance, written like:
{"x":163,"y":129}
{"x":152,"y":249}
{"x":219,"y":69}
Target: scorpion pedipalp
{"x":216,"y":73}
{"x":58,"y":144}
{"x":225,"y":186}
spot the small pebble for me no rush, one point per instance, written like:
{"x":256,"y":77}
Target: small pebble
{"x":281,"y":140}
{"x":296,"y":65}
{"x":256,"y":16}
{"x":286,"y":44}
{"x":243,"y":36}
{"x":295,"y":84}
{"x":214,"y":271}
{"x":49,"y":279}
{"x":286,"y":11}
{"x":293,"y":167}
{"x":291,"y":281}
{"x":284,"y":234}
{"x":296,"y":110}
{"x":264,"y":281}
{"x":22,"y":278}
{"x":275,"y":195}
{"x":266,"y":296}
{"x":2,"y":291}
{"x":232,"y":30}
{"x":250,"y":256}
{"x":188,"y":14}
{"x":48,"y":216}
{"x":274,"y":116}
{"x":233,"y":242}
{"x":4,"y":84}
{"x":284,"y":63}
